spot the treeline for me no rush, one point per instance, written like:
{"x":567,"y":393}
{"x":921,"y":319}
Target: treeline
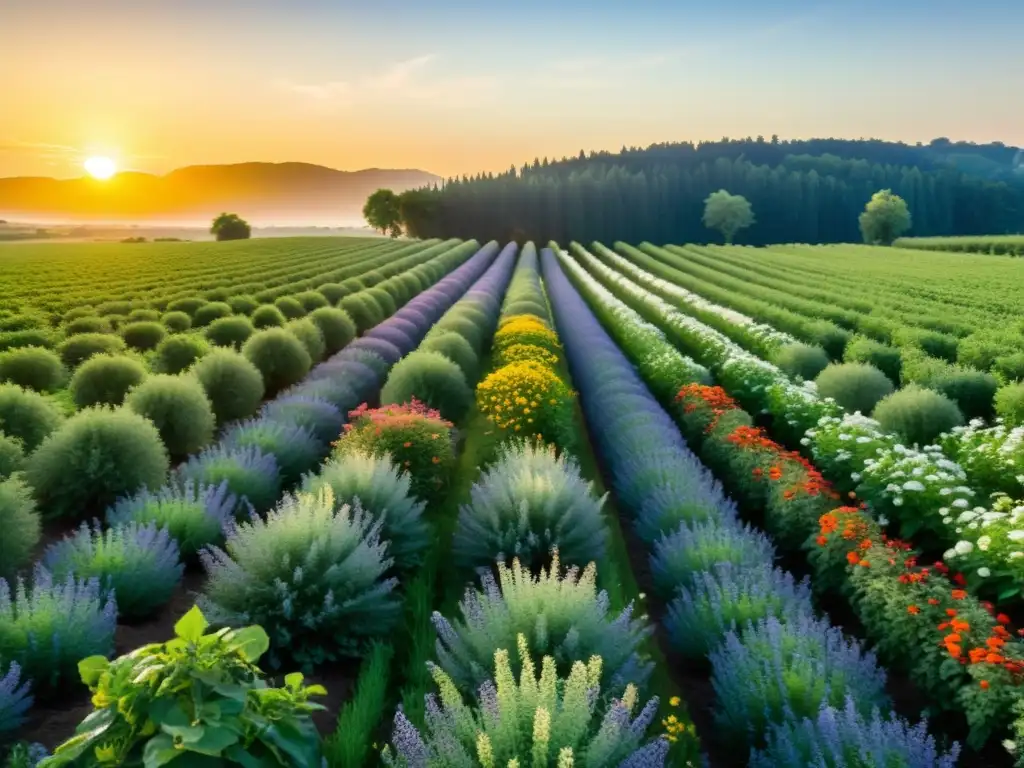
{"x":798,"y":193}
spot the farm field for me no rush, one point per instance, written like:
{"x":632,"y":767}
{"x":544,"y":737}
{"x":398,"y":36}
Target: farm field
{"x":1012,"y":245}
{"x":748,"y":506}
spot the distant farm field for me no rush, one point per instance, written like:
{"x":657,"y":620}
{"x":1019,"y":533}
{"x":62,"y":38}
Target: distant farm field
{"x":1010,"y":245}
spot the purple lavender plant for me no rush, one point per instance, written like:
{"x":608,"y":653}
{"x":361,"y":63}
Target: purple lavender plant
{"x":295,"y":448}
{"x":319,"y":416}
{"x":15,"y":700}
{"x":251,"y":474}
{"x":394,"y":336}
{"x":383,"y":348}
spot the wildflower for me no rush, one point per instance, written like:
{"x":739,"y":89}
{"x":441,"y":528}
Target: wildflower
{"x":675,"y":701}
{"x":852,"y":558}
{"x":984,"y":685}
{"x":1002,"y":618}
{"x":958,"y":594}
{"x":932,"y":601}
{"x":984,"y":572}
{"x":913,"y":610}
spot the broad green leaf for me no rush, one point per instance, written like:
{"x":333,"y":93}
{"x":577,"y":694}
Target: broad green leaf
{"x":293,"y":680}
{"x":251,"y":642}
{"x":160,"y":750}
{"x":91,"y":668}
{"x":191,"y":626}
{"x":214,"y":741}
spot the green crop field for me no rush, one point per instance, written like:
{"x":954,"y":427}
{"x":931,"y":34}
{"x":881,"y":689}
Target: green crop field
{"x":777,"y":491}
{"x":1009,"y":245}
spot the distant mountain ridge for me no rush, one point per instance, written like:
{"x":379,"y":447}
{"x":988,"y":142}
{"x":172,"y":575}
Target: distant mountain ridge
{"x":264,"y":193}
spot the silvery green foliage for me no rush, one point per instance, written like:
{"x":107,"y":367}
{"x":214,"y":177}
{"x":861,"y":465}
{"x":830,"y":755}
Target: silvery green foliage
{"x":251,"y":474}
{"x":375,"y":483}
{"x":527,"y":503}
{"x":138,"y":564}
{"x":311,"y":574}
{"x":15,"y":700}
{"x":195,"y":515}
{"x":294,"y":447}
{"x":316,"y":414}
{"x":561,"y":614}
{"x":48,"y":626}
{"x":543,"y":721}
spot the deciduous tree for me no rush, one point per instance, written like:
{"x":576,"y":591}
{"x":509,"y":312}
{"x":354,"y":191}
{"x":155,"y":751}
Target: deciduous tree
{"x":230,"y":226}
{"x":381,"y":212}
{"x":885,"y":217}
{"x":727,"y":213}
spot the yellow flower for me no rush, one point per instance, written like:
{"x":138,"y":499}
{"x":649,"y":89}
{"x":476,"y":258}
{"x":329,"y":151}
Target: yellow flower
{"x":675,"y":701}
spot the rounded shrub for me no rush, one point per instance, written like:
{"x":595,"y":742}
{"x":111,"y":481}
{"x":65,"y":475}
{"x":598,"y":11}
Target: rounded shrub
{"x":368,"y":356}
{"x":33,"y":338}
{"x":467,"y":329}
{"x":143,"y":336}
{"x":311,"y":300}
{"x":973,"y":391}
{"x":242,"y":305}
{"x":88,"y":324}
{"x":143,"y":315}
{"x":383,"y":492}
{"x":333,"y":292}
{"x":539,"y":404}
{"x":311,"y":574}
{"x":863,"y":349}
{"x":96,"y":456}
{"x":289,"y":307}
{"x":458,"y":350}
{"x":27,"y":416}
{"x":176,"y":322}
{"x":393,"y":335}
{"x":343,"y":395}
{"x":76,"y":350}
{"x":251,"y":475}
{"x":918,"y":415}
{"x":12,"y":456}
{"x":194,"y":515}
{"x":353,"y":285}
{"x":137,"y":564}
{"x":105,"y":380}
{"x":431,"y":378}
{"x":83,"y":310}
{"x":383,"y":299}
{"x":231,"y":331}
{"x":187,"y":305}
{"x":208,"y":313}
{"x":179,"y":408}
{"x":219,"y":293}
{"x":20,"y":523}
{"x":281,"y":358}
{"x":524,"y":505}
{"x":318,"y":415}
{"x":1010,"y":404}
{"x":34,"y":368}
{"x":336,"y":327}
{"x":561,"y":614}
{"x":308,"y":332}
{"x":802,"y":360}
{"x":268,"y":316}
{"x":176,"y":354}
{"x":114,"y":308}
{"x":294,"y":447}
{"x":233,"y":384}
{"x":526,"y":329}
{"x":854,"y":386}
{"x":1010,"y":367}
{"x":363,"y":310}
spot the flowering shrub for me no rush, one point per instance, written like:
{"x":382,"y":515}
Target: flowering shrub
{"x":385,"y":493}
{"x":310,"y":574}
{"x":992,"y":457}
{"x":528,"y":399}
{"x":294,"y":447}
{"x":251,"y":475}
{"x":416,"y":438}
{"x":195,"y":515}
{"x":47,"y":627}
{"x":545,"y":720}
{"x":526,"y":503}
{"x":198,"y":697}
{"x":703,"y":406}
{"x":845,"y":738}
{"x":561,"y":614}
{"x":519,"y":353}
{"x":526,"y":329}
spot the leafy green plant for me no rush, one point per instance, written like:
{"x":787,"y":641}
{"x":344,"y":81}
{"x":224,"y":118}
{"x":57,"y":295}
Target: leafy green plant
{"x":335,"y":325}
{"x":96,"y":456}
{"x":350,"y":744}
{"x":187,"y":305}
{"x":972,"y":391}
{"x":233,"y":384}
{"x":242,"y":304}
{"x":229,"y":331}
{"x":179,"y":409}
{"x":267,"y":316}
{"x":855,"y":386}
{"x":34,"y":368}
{"x":143,"y":336}
{"x":27,"y":416}
{"x":75,"y":350}
{"x":251,"y":475}
{"x":432,"y":379}
{"x":105,"y":379}
{"x":142,"y":315}
{"x":176,"y":354}
{"x":87,"y":324}
{"x":280,"y":357}
{"x":918,"y":415}
{"x":1010,"y":404}
{"x":196,"y":699}
{"x":457,"y":349}
{"x":176,"y":321}
{"x":311,"y":574}
{"x":363,"y":310}
{"x":210,"y":313}
{"x":308,"y":332}
{"x":289,"y":307}
{"x":862,"y":349}
{"x":543,"y":721}
{"x":294,"y":447}
{"x":12,"y":456}
{"x":802,"y":360}
{"x":311,"y":300}
{"x":19,"y":521}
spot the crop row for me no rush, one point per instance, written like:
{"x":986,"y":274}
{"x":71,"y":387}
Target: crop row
{"x":992,"y":244}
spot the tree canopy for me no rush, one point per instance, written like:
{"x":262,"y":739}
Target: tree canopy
{"x":885,"y":217}
{"x":727,"y":213}
{"x":230,"y":226}
{"x":381,"y":212}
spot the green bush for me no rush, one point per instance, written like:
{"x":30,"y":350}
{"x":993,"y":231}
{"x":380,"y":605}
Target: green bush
{"x":457,"y":349}
{"x":887,"y":359}
{"x":96,"y":456}
{"x":12,"y":456}
{"x":207,"y":313}
{"x":251,"y":475}
{"x":333,"y":292}
{"x":179,"y":408}
{"x":230,"y":331}
{"x":973,"y":391}
{"x":280,"y":357}
{"x":918,"y":415}
{"x":431,"y":378}
{"x":935,"y":343}
{"x":137,"y":564}
{"x":114,"y":308}
{"x":34,"y":338}
{"x":243,"y":305}
{"x":105,"y":380}
{"x":1010,"y":404}
{"x":294,"y":447}
{"x":216,"y":294}
{"x":267,"y":316}
{"x":188,"y":306}
{"x":308,"y":332}
{"x":143,"y":336}
{"x":289,"y":307}
{"x":383,"y":492}
{"x":77,"y":349}
{"x":85,"y":310}
{"x":335,"y":325}
{"x":464,"y":327}
{"x":383,"y":299}
{"x":802,"y":360}
{"x":363,"y":310}
{"x":33,"y":368}
{"x":176,"y":322}
{"x":1010,"y":367}
{"x":311,"y":575}
{"x":20,"y":523}
{"x":854,"y":386}
{"x":311,"y":300}
{"x":143,"y":315}
{"x":233,"y":384}
{"x":27,"y":416}
{"x":88,"y":324}
{"x":524,"y":505}
{"x":176,"y":354}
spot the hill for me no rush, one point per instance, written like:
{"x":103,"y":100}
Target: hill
{"x":264,"y":193}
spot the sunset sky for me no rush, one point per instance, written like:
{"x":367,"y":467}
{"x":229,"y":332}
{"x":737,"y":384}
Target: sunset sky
{"x":457,"y":87}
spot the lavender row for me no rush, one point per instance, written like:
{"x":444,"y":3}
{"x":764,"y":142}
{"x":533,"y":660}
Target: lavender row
{"x":788,"y":685}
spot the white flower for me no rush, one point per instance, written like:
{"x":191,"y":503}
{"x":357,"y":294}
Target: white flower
{"x":913,"y":485}
{"x":963,"y":547}
{"x":1014,"y":555}
{"x":961,"y":503}
{"x":1010,"y":745}
{"x":949,"y":554}
{"x":947,"y":520}
{"x":805,"y":441}
{"x":883,"y":520}
{"x":984,"y":542}
{"x":945,"y":491}
{"x":984,"y":572}
{"x":1015,"y":535}
{"x":898,"y":501}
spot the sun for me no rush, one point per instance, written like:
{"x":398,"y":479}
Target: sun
{"x":101,"y":168}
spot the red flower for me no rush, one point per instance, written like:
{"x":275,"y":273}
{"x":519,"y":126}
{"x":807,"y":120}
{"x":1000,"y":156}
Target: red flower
{"x":913,"y":610}
{"x":932,"y":601}
{"x":1002,"y":618}
{"x":958,"y":594}
{"x":984,"y":685}
{"x":959,"y":579}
